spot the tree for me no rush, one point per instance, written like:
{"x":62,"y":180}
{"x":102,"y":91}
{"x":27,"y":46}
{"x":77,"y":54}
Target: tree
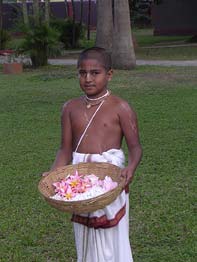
{"x":36,"y":14}
{"x":66,"y":8}
{"x":114,"y":32}
{"x":123,"y":55}
{"x":25,"y":13}
{"x":1,"y":15}
{"x":104,"y":24}
{"x":89,"y":15}
{"x":40,"y":40}
{"x":47,"y":7}
{"x":81,"y":12}
{"x":73,"y":27}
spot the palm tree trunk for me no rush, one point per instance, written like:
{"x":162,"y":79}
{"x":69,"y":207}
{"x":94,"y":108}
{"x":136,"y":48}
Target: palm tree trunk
{"x":1,"y":15}
{"x":123,"y":55}
{"x":73,"y":27}
{"x":104,"y":24}
{"x":36,"y":12}
{"x":66,"y":8}
{"x":47,"y":7}
{"x":89,"y":15}
{"x":25,"y":13}
{"x":81,"y":12}
{"x":1,"y":22}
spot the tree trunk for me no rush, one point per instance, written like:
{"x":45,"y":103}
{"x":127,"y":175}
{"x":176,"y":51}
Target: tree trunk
{"x":81,"y":12}
{"x":123,"y":55}
{"x":73,"y":27}
{"x":25,"y":13}
{"x":66,"y":8}
{"x":47,"y":7}
{"x":89,"y":15}
{"x":36,"y":12}
{"x":1,"y":15}
{"x":1,"y":22}
{"x":104,"y":24}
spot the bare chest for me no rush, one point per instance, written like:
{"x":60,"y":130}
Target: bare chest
{"x":103,"y":120}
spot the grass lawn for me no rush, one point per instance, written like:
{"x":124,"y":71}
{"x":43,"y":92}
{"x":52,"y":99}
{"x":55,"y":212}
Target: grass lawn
{"x":162,"y":195}
{"x":145,"y":39}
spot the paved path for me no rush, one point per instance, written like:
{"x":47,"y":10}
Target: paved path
{"x":138,"y":62}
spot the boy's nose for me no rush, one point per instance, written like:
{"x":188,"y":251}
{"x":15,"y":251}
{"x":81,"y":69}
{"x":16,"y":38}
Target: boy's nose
{"x":89,"y":76}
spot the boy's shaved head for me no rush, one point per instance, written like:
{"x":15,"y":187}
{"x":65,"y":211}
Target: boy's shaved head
{"x":96,"y":53}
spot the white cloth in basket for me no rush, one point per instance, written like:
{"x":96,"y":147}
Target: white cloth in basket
{"x":103,"y":235}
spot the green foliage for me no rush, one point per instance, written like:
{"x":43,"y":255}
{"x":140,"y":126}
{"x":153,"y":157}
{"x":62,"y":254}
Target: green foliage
{"x":140,"y":12}
{"x":4,"y":38}
{"x":40,"y":42}
{"x":70,"y":33}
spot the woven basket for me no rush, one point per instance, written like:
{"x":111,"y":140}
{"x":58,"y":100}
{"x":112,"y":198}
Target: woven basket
{"x":84,"y":206}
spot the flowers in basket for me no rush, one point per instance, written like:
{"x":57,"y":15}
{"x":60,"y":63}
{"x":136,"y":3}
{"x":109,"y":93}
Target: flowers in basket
{"x":80,"y":187}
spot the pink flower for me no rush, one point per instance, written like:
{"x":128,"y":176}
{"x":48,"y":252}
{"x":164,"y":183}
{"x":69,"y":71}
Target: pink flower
{"x":92,"y":179}
{"x":76,"y":184}
{"x":69,"y":194}
{"x":109,"y":184}
{"x":60,"y":187}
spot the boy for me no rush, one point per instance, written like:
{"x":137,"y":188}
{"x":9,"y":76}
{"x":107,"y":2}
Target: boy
{"x":93,"y":127}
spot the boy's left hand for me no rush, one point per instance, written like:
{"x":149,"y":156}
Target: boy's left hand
{"x":127,"y":173}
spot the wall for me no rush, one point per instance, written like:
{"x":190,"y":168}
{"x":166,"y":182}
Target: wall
{"x":175,"y":17}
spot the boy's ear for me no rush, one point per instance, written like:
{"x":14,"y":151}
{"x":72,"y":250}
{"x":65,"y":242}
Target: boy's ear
{"x":110,"y":74}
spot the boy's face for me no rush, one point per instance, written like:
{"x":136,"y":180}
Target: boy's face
{"x":93,"y":77}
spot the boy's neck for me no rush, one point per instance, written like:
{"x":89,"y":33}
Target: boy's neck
{"x":96,"y":101}
{"x":98,"y":98}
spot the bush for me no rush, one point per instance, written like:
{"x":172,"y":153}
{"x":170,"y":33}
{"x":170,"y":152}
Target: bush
{"x":39,"y":43}
{"x":4,"y":38}
{"x":140,"y":11}
{"x":67,"y":36}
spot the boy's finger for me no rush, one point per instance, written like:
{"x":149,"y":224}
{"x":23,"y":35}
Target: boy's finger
{"x":45,"y":174}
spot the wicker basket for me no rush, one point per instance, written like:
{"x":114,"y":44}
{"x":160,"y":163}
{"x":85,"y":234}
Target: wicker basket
{"x":84,"y":206}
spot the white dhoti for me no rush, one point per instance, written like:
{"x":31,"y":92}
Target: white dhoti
{"x":103,"y":235}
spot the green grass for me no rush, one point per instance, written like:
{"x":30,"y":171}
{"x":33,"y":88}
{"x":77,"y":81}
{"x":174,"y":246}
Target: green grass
{"x":162,"y":195}
{"x":167,"y":53}
{"x":147,"y":46}
{"x":145,"y":37}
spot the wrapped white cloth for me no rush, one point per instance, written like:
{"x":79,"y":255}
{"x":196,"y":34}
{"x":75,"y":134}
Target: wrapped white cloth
{"x":103,"y":235}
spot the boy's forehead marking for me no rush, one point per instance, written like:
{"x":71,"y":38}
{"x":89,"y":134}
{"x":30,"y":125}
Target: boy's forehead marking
{"x":91,"y":63}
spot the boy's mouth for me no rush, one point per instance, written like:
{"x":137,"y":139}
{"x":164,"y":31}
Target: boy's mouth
{"x":89,"y":86}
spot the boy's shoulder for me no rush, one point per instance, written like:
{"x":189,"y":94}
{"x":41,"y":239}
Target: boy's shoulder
{"x":72,"y":103}
{"x":123,"y":108}
{"x":120,"y":103}
{"x":118,"y":99}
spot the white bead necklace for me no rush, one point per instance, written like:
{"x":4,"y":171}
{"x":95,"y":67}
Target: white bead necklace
{"x":95,"y":101}
{"x":98,"y":98}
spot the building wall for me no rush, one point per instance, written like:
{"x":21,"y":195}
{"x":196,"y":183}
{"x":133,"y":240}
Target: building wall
{"x":11,"y":12}
{"x":175,"y":17}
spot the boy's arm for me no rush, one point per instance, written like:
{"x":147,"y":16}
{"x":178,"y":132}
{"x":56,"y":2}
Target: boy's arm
{"x":64,"y":154}
{"x":128,"y":119}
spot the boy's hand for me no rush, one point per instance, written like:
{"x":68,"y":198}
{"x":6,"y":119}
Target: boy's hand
{"x":127,"y":173}
{"x":45,"y":174}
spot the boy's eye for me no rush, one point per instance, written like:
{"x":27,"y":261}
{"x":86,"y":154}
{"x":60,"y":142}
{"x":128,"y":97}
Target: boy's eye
{"x":94,"y":73}
{"x":82,"y":73}
{"x":91,"y":73}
